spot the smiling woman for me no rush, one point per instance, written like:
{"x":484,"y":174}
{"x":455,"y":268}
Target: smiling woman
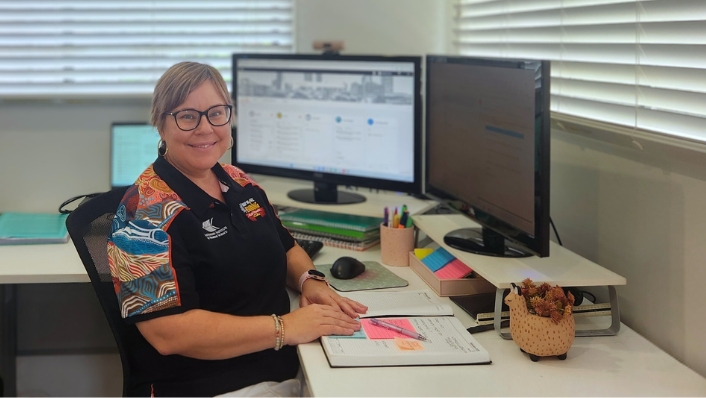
{"x":200,"y":261}
{"x":187,"y":144}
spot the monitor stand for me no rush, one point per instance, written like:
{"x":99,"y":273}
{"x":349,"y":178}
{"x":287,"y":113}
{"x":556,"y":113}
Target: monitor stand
{"x":484,"y":241}
{"x":325,"y":193}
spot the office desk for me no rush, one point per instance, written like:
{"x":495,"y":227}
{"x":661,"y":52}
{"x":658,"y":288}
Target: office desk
{"x":55,"y":263}
{"x":625,"y":364}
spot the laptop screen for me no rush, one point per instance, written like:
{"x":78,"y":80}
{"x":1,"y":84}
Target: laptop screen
{"x":133,"y":147}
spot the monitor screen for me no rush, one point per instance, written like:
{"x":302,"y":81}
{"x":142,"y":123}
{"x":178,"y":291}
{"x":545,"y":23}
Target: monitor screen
{"x":487,"y":143}
{"x":133,"y":147}
{"x":331,"y":119}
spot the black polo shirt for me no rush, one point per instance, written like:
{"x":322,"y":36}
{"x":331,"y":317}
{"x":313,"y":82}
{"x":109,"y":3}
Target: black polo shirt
{"x":228,"y":258}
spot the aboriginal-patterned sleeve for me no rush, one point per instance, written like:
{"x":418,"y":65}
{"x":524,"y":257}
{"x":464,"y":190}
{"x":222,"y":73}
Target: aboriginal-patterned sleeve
{"x":243,"y":179}
{"x":140,"y":250}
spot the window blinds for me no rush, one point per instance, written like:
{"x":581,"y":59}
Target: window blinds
{"x":120,"y":48}
{"x":634,"y":63}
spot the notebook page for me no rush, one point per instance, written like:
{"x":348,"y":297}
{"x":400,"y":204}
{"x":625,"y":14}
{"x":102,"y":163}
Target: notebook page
{"x":400,"y":303}
{"x":448,"y":343}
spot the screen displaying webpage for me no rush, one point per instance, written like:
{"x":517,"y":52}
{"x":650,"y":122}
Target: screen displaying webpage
{"x":482,"y":138}
{"x":133,"y":147}
{"x":334,"y":116}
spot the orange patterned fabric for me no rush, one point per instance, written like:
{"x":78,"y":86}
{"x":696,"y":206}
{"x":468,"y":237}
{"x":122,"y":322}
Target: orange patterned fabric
{"x":138,"y":248}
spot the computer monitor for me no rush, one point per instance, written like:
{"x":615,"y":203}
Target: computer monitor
{"x":487,"y":141}
{"x":133,"y":147}
{"x":332,"y":119}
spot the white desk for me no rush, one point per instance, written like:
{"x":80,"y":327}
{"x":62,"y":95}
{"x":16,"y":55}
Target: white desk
{"x":56,"y":263}
{"x":625,"y":364}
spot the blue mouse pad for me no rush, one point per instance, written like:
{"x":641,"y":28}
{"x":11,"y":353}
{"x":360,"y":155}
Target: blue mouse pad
{"x":375,"y":276}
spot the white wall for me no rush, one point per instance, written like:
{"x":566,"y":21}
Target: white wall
{"x":642,"y":214}
{"x":385,"y":27}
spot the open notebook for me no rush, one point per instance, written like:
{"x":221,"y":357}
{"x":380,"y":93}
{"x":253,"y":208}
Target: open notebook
{"x":448,"y":342}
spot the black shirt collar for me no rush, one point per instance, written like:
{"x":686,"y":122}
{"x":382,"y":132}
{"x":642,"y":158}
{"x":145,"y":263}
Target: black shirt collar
{"x":194,"y":197}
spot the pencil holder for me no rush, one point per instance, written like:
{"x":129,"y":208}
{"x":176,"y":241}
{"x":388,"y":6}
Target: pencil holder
{"x":395,"y":245}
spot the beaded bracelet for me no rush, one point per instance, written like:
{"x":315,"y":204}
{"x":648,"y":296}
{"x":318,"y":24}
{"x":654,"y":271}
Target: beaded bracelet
{"x":281,"y":328}
{"x":278,"y":343}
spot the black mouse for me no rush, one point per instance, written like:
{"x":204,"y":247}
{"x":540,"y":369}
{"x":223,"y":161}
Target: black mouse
{"x":347,"y":268}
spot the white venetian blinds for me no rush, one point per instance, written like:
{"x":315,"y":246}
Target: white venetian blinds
{"x":91,"y":48}
{"x":635,"y":63}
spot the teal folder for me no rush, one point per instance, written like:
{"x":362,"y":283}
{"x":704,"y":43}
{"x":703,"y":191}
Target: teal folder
{"x":33,"y":228}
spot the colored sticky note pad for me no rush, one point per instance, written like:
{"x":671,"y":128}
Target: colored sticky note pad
{"x":453,"y":270}
{"x":359,"y":334}
{"x":437,"y":259}
{"x":375,"y":332}
{"x":421,"y":253}
{"x":409,"y":344}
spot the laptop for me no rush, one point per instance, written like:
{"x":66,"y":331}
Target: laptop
{"x":133,"y":147}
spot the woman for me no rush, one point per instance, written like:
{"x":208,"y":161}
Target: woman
{"x":200,"y":260}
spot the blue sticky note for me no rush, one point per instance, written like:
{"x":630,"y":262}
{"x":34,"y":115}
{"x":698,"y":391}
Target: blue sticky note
{"x":356,"y":335}
{"x":437,"y":259}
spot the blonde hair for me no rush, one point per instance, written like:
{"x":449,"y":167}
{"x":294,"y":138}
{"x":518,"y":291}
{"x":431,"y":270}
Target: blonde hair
{"x":176,"y":84}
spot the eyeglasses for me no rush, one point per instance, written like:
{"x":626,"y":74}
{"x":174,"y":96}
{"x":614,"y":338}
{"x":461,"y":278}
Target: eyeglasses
{"x":189,"y":119}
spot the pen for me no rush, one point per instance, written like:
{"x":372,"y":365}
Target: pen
{"x":386,"y":217}
{"x":403,"y":219}
{"x":398,"y":329}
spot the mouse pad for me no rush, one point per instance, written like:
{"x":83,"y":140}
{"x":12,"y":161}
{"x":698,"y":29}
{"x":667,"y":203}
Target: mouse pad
{"x":375,"y":276}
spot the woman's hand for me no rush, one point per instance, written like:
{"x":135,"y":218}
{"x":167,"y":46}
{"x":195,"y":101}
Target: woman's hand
{"x":317,"y":292}
{"x":313,"y":321}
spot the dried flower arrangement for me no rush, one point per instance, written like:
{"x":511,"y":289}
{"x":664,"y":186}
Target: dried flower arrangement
{"x":546,"y":301}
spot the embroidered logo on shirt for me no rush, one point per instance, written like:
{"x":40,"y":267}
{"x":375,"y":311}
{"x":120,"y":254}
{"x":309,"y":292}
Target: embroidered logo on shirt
{"x":213,"y":232}
{"x":252,"y":209}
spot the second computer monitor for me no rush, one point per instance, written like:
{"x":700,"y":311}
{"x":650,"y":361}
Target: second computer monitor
{"x":348,"y":120}
{"x":487,"y":143}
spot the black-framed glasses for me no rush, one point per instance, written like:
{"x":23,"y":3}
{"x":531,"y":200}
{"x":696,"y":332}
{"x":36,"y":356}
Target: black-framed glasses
{"x":189,"y":119}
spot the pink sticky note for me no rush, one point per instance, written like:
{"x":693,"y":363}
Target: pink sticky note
{"x":453,"y":270}
{"x":378,"y":332}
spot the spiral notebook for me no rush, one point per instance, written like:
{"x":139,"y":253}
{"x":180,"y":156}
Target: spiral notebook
{"x":343,"y":244}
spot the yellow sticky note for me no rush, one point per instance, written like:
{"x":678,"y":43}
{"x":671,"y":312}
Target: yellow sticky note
{"x":421,"y":253}
{"x":408,"y":344}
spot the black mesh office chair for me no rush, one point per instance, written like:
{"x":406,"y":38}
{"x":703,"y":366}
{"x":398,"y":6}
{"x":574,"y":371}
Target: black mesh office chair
{"x":89,"y":226}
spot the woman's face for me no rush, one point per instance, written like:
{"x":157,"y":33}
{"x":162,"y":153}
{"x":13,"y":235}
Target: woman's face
{"x":197,"y":151}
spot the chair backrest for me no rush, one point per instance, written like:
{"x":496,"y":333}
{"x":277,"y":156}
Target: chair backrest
{"x":89,"y":227}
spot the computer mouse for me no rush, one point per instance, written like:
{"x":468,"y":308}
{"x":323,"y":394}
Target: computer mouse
{"x":347,"y":268}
